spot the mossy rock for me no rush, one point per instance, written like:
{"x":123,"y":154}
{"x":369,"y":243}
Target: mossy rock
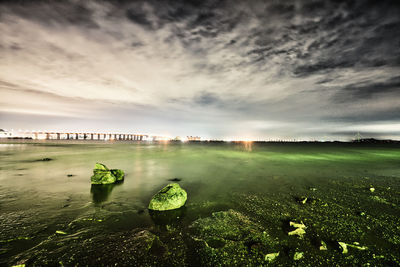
{"x":169,"y":198}
{"x":102,"y":175}
{"x":118,"y":174}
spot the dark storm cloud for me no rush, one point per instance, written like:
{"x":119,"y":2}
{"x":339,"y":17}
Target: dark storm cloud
{"x":369,"y":90}
{"x":275,"y":66}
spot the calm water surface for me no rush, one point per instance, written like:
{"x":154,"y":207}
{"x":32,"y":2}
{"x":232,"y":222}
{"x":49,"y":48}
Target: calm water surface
{"x":38,"y":198}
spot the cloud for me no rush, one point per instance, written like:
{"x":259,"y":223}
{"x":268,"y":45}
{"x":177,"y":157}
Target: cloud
{"x":207,"y":66}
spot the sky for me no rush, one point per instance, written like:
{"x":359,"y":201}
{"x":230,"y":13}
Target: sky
{"x":256,"y":70}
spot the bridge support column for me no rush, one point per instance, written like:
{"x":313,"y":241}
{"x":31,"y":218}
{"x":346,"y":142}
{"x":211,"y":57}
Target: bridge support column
{"x":77,"y":136}
{"x":141,"y":138}
{"x":98,"y":136}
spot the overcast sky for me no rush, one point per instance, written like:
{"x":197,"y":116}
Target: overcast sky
{"x":217,"y":69}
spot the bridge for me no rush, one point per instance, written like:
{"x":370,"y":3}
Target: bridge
{"x":87,"y":136}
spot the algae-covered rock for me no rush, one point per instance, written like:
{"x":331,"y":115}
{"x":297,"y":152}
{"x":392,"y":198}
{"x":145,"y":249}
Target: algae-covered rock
{"x":119,"y":174}
{"x":102,"y":175}
{"x":99,"y":166}
{"x":170,"y":197}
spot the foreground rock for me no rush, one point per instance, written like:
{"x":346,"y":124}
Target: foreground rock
{"x":169,"y":198}
{"x":103,"y":175}
{"x":230,"y":238}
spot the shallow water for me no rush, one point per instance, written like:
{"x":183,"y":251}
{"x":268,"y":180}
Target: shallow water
{"x":263,"y":181}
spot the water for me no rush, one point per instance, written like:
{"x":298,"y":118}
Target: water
{"x":266,"y":182}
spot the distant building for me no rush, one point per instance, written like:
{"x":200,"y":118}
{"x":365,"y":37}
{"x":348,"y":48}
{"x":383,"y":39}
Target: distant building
{"x":193,"y":138}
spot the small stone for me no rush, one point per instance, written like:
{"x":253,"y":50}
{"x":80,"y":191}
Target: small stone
{"x":271,"y":256}
{"x":298,"y":255}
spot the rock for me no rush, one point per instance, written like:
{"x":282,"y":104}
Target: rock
{"x":102,"y":175}
{"x":43,"y":159}
{"x":119,"y":174}
{"x":271,"y":256}
{"x":70,"y":175}
{"x":170,"y":197}
{"x":298,"y":255}
{"x":100,"y":166}
{"x":175,"y":180}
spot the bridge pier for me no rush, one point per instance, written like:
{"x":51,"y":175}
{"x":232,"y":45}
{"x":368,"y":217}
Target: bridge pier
{"x":76,"y":136}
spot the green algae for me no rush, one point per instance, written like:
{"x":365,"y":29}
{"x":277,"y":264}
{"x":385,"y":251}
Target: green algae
{"x":298,"y":256}
{"x":230,"y":238}
{"x":102,"y":175}
{"x":271,"y":256}
{"x":170,"y":197}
